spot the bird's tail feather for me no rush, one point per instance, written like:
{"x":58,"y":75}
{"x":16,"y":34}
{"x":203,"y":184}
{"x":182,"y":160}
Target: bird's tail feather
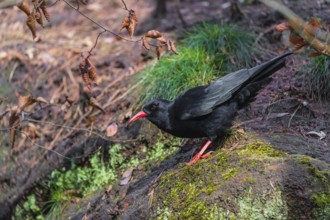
{"x":259,"y":79}
{"x":266,"y":69}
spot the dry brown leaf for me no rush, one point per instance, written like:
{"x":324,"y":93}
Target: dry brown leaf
{"x":92,"y":102}
{"x":32,"y":131}
{"x":153,"y":34}
{"x":283,"y":27}
{"x":145,"y":43}
{"x":44,"y":10}
{"x":112,"y":129}
{"x":109,"y":189}
{"x":24,"y":6}
{"x":88,"y":72}
{"x":159,"y":50}
{"x":85,"y":75}
{"x":162,"y":40}
{"x":31,"y":23}
{"x":125,"y":23}
{"x":13,"y":123}
{"x":315,"y":23}
{"x":172,"y":47}
{"x":129,"y":23}
{"x":70,"y":101}
{"x":126,"y":176}
{"x":297,"y":41}
{"x":41,"y":99}
{"x":315,"y":54}
{"x":23,"y":102}
{"x":38,"y":17}
{"x":168,"y":45}
{"x":86,"y":80}
{"x":91,"y":71}
{"x":133,"y":22}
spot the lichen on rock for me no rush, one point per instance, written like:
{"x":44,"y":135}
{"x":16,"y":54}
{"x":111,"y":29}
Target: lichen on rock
{"x":247,"y":180}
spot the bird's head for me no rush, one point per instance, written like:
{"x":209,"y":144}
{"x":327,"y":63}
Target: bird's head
{"x":156,"y":111}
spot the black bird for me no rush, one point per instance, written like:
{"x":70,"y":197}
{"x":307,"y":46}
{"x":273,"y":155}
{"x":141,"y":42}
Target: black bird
{"x":208,"y":111}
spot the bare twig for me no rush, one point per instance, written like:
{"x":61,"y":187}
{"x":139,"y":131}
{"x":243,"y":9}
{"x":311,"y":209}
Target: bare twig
{"x":293,"y":114}
{"x":98,"y":36}
{"x":125,"y":5}
{"x":97,"y":24}
{"x":40,"y":146}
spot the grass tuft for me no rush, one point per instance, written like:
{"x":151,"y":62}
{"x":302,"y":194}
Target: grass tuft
{"x":317,"y":78}
{"x":207,"y":52}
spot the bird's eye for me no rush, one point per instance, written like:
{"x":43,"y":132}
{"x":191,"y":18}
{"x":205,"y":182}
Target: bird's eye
{"x":153,"y":107}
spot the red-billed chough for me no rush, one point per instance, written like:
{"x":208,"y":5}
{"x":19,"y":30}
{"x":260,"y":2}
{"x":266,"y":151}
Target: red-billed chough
{"x":208,"y":111}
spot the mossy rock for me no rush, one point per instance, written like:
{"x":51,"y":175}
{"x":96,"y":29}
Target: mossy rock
{"x":247,"y":179}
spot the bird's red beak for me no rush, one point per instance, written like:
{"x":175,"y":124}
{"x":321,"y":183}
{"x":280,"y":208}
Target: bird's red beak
{"x":139,"y":115}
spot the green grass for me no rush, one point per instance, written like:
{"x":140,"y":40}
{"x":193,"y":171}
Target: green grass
{"x":317,"y":78}
{"x":207,"y":52}
{"x":81,"y":181}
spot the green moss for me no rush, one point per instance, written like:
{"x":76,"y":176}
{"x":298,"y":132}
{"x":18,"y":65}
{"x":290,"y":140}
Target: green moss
{"x":305,"y":160}
{"x":262,"y":207}
{"x":183,"y":198}
{"x":320,"y":175}
{"x":229,"y":173}
{"x":317,"y":173}
{"x":249,"y":180}
{"x":251,"y":164}
{"x":221,"y":159}
{"x":262,"y":148}
{"x":96,"y":174}
{"x":184,"y":192}
{"x":322,"y":200}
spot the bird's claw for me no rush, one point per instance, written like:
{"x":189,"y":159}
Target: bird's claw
{"x":207,"y":155}
{"x":197,"y":157}
{"x":194,"y":159}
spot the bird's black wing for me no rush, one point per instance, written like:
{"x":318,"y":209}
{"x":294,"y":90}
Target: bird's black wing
{"x":202,"y":100}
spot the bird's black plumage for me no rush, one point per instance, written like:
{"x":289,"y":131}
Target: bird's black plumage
{"x":208,"y":111}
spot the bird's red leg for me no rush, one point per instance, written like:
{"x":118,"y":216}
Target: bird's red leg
{"x":199,"y":155}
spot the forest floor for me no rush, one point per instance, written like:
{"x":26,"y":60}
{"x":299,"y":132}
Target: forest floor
{"x":52,"y":135}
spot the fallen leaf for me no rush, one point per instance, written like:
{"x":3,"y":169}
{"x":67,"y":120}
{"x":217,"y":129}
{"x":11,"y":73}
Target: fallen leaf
{"x":153,"y":34}
{"x":145,"y":43}
{"x":93,"y":102}
{"x":320,"y":134}
{"x":109,"y":189}
{"x":315,"y":54}
{"x":283,"y":27}
{"x":112,"y":129}
{"x":41,"y":99}
{"x":126,"y":176}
